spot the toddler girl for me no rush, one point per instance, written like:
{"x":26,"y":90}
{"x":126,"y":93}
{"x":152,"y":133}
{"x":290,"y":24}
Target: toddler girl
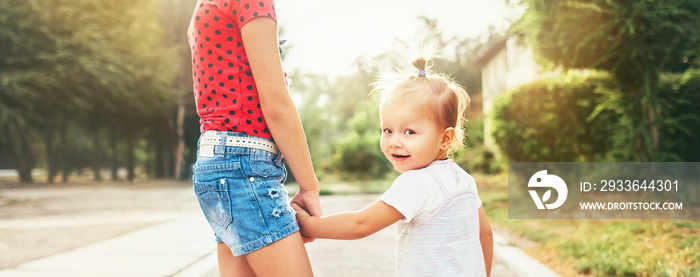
{"x":442,"y":228}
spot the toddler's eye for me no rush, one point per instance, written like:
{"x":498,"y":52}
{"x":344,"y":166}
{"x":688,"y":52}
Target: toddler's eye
{"x":387,"y":131}
{"x":409,"y":132}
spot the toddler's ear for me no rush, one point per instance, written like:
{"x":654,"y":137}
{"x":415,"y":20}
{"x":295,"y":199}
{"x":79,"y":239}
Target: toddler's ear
{"x":447,"y":136}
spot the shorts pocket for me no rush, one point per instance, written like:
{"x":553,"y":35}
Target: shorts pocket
{"x":215,"y":201}
{"x":265,"y":164}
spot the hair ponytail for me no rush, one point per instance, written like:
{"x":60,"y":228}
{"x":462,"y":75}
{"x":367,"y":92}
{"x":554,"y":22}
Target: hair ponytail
{"x":420,"y":63}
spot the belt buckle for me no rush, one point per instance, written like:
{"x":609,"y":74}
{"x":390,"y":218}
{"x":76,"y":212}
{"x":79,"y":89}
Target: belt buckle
{"x":206,"y":151}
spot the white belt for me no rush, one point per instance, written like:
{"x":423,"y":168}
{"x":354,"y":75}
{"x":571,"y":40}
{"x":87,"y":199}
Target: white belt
{"x":211,"y":138}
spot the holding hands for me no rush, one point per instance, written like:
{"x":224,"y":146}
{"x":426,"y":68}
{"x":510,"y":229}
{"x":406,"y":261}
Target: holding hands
{"x":306,"y":204}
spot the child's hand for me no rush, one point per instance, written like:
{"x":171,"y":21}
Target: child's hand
{"x":301,"y":213}
{"x":302,"y":216}
{"x":309,"y":201}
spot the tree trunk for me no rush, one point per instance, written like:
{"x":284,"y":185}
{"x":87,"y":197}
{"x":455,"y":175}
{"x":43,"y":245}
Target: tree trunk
{"x":51,"y":166}
{"x":159,"y":165}
{"x":651,"y":87}
{"x":65,"y":173}
{"x":24,"y":166}
{"x":180,"y":151}
{"x":65,"y":156}
{"x":96,"y":156}
{"x":169,"y":141}
{"x":130,"y":159}
{"x":115,"y":160}
{"x":638,"y":117}
{"x":23,"y":156}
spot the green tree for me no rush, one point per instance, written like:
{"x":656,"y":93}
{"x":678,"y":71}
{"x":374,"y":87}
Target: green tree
{"x":680,"y":117}
{"x":633,"y":40}
{"x":85,"y":64}
{"x":175,"y":17}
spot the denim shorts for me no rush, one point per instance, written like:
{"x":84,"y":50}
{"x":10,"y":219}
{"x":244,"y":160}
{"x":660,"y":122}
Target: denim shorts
{"x":242,"y":195}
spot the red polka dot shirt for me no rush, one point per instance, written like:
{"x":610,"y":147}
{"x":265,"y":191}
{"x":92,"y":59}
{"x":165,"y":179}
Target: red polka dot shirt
{"x":224,"y":88}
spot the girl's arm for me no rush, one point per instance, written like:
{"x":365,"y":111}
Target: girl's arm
{"x":348,"y":225}
{"x":261,"y":45}
{"x":486,"y":238}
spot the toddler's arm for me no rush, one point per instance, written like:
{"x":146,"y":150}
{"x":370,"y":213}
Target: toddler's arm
{"x":486,"y":238}
{"x":348,"y":225}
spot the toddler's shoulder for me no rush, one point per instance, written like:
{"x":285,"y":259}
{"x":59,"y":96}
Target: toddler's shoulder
{"x":414,"y":176}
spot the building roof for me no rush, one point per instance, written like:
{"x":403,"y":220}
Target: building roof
{"x":492,"y":47}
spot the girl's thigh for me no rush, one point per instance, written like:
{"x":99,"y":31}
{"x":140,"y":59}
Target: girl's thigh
{"x":231,"y":266}
{"x":285,"y":257}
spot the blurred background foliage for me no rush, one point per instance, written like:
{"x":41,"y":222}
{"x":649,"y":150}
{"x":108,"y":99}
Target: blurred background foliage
{"x":579,"y":116}
{"x":636,"y":42}
{"x":89,"y":83}
{"x":550,"y":120}
{"x":102,"y":85}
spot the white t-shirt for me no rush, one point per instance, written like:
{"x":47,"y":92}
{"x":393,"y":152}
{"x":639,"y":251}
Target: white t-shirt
{"x":439,"y":234}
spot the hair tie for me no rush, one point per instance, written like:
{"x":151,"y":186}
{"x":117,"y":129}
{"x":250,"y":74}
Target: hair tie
{"x":421,"y":72}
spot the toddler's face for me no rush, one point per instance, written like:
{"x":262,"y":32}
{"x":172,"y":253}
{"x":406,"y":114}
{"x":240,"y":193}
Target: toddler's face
{"x":411,"y":139}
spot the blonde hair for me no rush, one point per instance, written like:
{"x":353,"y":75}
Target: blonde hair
{"x":446,"y":99}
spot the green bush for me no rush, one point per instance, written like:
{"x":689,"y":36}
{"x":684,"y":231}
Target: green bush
{"x":361,"y":155}
{"x":474,"y":133}
{"x":357,"y":151}
{"x":679,"y":118}
{"x":552,"y":120}
{"x":474,"y":156}
{"x":353,"y":153}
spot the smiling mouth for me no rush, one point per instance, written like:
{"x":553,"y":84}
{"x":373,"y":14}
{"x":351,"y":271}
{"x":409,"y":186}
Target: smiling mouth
{"x":400,"y":157}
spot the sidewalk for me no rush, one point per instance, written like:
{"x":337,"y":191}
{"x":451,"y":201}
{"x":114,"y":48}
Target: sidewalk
{"x":180,"y":244}
{"x":175,"y":248}
{"x":518,"y":263}
{"x":183,"y":248}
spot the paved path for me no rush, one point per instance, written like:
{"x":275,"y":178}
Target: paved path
{"x":165,"y":249}
{"x":156,"y":229}
{"x":371,"y":256}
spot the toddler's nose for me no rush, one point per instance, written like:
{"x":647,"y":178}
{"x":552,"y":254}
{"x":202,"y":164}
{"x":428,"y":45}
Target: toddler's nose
{"x":395,"y":142}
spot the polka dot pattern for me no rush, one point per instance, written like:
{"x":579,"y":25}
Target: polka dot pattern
{"x":224,"y":88}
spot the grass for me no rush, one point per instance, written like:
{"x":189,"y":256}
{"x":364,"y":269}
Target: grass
{"x":601,"y":247}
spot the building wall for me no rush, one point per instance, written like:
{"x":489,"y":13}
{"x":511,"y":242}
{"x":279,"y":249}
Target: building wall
{"x":511,"y":66}
{"x":493,"y":83}
{"x":521,"y":65}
